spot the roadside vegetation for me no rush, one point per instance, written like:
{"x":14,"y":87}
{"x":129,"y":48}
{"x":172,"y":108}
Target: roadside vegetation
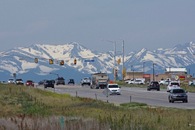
{"x":28,"y":108}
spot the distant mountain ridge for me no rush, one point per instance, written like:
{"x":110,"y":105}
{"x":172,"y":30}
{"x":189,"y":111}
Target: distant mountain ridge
{"x":21,"y":61}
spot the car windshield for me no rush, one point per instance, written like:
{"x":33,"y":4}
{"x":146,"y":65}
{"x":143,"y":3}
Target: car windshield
{"x":155,"y":83}
{"x":60,"y":78}
{"x":138,"y":81}
{"x":113,"y":86}
{"x":178,"y":91}
{"x":175,"y":84}
{"x":29,"y":81}
{"x":49,"y":81}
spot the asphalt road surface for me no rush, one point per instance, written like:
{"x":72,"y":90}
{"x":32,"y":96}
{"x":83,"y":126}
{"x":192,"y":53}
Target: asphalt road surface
{"x":133,"y":94}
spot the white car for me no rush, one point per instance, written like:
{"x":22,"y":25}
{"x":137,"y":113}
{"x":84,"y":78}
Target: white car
{"x":86,"y":81}
{"x":137,"y":81}
{"x":11,"y":81}
{"x":173,"y":85}
{"x":127,"y":81}
{"x":191,"y":83}
{"x":164,"y":82}
{"x":113,"y":89}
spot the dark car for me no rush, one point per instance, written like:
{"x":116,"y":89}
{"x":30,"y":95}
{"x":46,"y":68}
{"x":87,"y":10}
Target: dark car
{"x":71,"y":81}
{"x":49,"y":83}
{"x":19,"y":82}
{"x":178,"y":94}
{"x":60,"y":80}
{"x":29,"y":83}
{"x":154,"y":85}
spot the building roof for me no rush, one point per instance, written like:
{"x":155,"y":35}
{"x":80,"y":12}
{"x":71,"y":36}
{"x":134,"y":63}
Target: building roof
{"x":175,"y":70}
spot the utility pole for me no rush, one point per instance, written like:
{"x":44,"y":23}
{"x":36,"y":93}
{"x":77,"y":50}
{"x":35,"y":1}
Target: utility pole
{"x":123,"y":46}
{"x":115,"y":61}
{"x":143,"y":67}
{"x":132,"y":70}
{"x":153,"y":72}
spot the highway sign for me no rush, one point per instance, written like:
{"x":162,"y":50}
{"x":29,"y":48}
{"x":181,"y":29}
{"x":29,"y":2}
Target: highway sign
{"x":89,"y":60}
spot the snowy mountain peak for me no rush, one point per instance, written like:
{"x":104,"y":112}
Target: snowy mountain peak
{"x":21,"y":60}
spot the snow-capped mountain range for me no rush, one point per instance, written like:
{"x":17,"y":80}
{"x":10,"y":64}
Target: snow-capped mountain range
{"x":21,"y":61}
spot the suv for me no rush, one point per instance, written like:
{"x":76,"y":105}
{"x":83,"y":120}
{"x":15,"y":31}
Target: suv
{"x":153,"y":85}
{"x":11,"y":81}
{"x":114,"y":89}
{"x":173,"y":85}
{"x":60,"y":80}
{"x":86,"y":81}
{"x":71,"y":81}
{"x":19,"y":82}
{"x":49,"y":83}
{"x":178,"y":94}
{"x":29,"y":83}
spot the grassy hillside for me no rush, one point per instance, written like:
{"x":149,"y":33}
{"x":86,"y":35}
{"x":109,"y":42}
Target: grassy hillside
{"x":33,"y":109}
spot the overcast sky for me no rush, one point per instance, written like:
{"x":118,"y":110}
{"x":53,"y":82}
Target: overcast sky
{"x":96,"y":24}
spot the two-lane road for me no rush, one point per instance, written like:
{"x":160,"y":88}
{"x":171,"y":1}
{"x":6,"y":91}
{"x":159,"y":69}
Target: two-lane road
{"x":153,"y":98}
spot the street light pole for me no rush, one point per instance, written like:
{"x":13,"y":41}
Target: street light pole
{"x":115,"y":61}
{"x":153,"y":72}
{"x":123,"y":46}
{"x":114,"y":58}
{"x":143,"y":67}
{"x":132,"y":70}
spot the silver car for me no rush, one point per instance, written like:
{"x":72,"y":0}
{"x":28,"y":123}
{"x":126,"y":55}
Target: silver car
{"x":178,"y":94}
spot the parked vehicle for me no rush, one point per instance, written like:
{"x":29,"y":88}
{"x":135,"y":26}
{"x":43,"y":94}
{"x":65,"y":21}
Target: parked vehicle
{"x":60,"y":80}
{"x":99,"y":80}
{"x":113,"y":89}
{"x":164,"y":82}
{"x":127,"y":81}
{"x":3,"y":82}
{"x":178,"y":94}
{"x":19,"y":82}
{"x":131,"y":81}
{"x":137,"y":81}
{"x":86,"y":81}
{"x":71,"y":81}
{"x":49,"y":83}
{"x":191,"y":83}
{"x":154,"y":85}
{"x":173,"y":85}
{"x":29,"y":83}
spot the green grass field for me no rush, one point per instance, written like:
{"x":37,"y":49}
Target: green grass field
{"x":25,"y":108}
